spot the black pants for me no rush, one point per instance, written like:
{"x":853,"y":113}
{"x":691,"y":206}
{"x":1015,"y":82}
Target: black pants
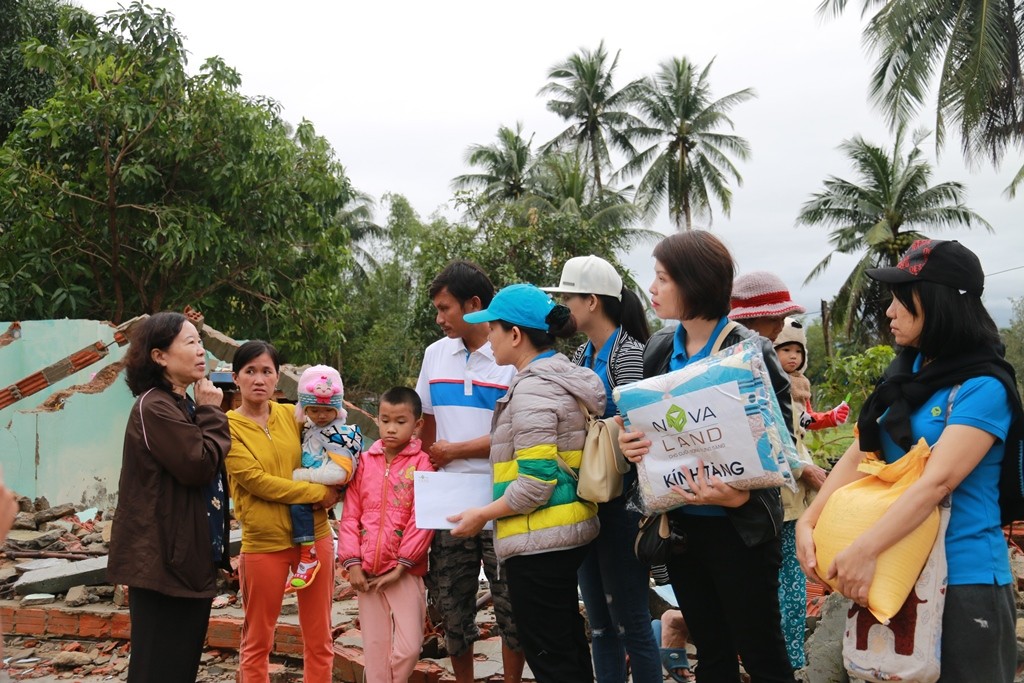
{"x":729,"y":596}
{"x":979,"y":644}
{"x":167,"y":636}
{"x":546,"y":609}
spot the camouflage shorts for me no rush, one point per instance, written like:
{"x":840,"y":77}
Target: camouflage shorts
{"x":452,"y":584}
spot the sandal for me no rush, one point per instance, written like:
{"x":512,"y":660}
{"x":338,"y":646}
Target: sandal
{"x":677,"y":664}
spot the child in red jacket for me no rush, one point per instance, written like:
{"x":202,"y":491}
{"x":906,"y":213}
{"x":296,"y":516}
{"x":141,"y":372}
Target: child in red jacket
{"x":380,"y":546}
{"x":791,"y":348}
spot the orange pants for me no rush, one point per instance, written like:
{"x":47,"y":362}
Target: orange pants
{"x":263,"y":577}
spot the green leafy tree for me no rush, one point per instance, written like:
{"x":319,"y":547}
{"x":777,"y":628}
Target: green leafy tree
{"x":1013,"y":337}
{"x":137,"y":188}
{"x":851,"y":378}
{"x":506,"y":167}
{"x":969,"y":53}
{"x":24,"y":87}
{"x":688,"y":161}
{"x":877,"y":216}
{"x":393,"y":320}
{"x":582,"y":92}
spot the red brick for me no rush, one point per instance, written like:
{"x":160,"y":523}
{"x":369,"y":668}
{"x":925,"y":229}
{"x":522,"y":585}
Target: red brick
{"x":224,"y":632}
{"x":62,"y":624}
{"x":120,"y":625}
{"x":345,"y":663}
{"x":93,"y":626}
{"x":30,"y":621}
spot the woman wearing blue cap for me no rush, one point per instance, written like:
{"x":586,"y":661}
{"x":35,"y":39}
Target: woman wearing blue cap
{"x":951,"y":386}
{"x":542,"y":527}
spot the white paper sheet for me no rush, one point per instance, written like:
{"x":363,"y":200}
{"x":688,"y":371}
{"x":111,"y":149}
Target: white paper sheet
{"x":440,"y":495}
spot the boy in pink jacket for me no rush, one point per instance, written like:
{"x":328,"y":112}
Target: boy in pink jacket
{"x":380,"y":546}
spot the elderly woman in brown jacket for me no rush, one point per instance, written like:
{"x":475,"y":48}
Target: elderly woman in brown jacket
{"x":170,"y":529}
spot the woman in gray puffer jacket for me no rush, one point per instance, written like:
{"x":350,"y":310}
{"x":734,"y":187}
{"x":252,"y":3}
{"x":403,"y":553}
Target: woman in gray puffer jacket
{"x":542,"y":527}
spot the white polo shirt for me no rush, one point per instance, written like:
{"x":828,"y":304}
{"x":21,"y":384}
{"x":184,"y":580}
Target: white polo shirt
{"x":460,"y":390}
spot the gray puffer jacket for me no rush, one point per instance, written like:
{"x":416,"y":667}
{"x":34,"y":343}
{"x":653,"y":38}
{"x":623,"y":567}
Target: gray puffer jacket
{"x":537,"y":422}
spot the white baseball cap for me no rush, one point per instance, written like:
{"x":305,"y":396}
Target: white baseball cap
{"x":589,"y":275}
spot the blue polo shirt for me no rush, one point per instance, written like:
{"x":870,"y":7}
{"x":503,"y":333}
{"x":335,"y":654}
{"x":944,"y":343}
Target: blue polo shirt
{"x":679,"y":360}
{"x":975,"y":548}
{"x":599,"y":364}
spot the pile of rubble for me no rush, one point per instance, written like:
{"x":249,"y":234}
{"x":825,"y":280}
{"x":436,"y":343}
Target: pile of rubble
{"x":41,"y":530}
{"x":28,"y":658}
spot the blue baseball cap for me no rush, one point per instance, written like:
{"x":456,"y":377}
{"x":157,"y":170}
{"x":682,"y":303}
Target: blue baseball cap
{"x":522,"y":305}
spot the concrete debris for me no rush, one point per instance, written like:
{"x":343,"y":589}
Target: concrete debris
{"x":25,"y":521}
{"x":38,"y":599}
{"x":77,"y":596}
{"x":50,"y":514}
{"x":42,"y":563}
{"x":825,"y":646}
{"x":120,"y":597}
{"x":62,"y":525}
{"x":70,"y":660}
{"x":61,"y":579}
{"x":32,"y":540}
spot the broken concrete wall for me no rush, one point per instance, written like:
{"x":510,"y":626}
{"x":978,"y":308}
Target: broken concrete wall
{"x":72,"y":453}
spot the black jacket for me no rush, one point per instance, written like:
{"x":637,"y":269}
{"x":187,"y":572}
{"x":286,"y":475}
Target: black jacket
{"x":760,"y":518}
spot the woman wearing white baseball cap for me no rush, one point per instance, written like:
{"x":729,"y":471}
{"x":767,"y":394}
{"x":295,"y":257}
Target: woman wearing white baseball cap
{"x":612,"y":581}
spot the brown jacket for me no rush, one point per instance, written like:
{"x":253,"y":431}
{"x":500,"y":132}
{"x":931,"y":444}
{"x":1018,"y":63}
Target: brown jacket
{"x":161,"y":535}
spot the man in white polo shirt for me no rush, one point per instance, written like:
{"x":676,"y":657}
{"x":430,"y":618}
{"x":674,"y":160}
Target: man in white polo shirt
{"x":459,"y":384}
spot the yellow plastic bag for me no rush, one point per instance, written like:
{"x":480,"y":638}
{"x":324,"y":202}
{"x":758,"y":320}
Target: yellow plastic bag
{"x":854,"y":508}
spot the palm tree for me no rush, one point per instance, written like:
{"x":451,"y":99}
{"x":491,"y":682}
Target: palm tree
{"x":878,"y":216}
{"x":583,"y":94}
{"x":506,"y":167}
{"x":688,"y":161}
{"x":977,"y":51}
{"x":356,"y":215}
{"x":564,"y":186}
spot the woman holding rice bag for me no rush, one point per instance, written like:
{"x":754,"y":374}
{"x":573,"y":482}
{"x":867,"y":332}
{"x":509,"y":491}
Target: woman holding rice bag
{"x":951,"y":386}
{"x":726,"y":582}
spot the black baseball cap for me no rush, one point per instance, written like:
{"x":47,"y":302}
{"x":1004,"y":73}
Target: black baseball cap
{"x":944,"y":262}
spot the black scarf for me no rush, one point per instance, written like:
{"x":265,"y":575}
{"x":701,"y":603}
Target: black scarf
{"x":901,"y":390}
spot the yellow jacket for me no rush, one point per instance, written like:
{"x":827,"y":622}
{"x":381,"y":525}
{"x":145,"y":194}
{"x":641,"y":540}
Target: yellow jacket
{"x":260,"y":465}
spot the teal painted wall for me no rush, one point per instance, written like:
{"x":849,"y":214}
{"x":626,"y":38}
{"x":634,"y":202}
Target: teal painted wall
{"x":73,"y":454}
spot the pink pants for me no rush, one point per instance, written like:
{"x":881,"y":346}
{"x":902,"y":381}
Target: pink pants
{"x":391,"y":622}
{"x":263,"y":577}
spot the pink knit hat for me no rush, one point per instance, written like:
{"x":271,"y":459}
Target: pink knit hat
{"x":320,"y":385}
{"x":761,"y":294}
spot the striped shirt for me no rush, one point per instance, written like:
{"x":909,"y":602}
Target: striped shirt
{"x":460,"y":388}
{"x":620,"y":361}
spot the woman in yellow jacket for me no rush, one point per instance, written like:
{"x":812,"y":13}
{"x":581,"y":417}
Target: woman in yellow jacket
{"x":265,"y":448}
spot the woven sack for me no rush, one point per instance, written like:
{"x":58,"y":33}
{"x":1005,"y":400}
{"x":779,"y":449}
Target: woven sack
{"x":908,"y":648}
{"x":853,"y":509}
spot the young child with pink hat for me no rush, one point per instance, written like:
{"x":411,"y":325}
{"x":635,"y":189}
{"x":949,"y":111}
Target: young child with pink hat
{"x":330,"y":454}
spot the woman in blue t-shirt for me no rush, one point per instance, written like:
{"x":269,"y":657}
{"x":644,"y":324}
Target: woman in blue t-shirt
{"x":951,"y":386}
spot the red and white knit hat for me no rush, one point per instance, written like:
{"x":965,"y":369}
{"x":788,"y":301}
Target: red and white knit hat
{"x":761,"y":294}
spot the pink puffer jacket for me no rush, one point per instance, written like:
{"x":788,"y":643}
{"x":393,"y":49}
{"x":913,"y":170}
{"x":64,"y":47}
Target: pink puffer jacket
{"x":378,"y":521}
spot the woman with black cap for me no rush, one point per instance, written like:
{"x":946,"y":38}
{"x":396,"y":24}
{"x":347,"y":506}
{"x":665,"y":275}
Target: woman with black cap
{"x":951,"y":386}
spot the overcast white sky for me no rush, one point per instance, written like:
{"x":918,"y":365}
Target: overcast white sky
{"x":401,"y":89}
